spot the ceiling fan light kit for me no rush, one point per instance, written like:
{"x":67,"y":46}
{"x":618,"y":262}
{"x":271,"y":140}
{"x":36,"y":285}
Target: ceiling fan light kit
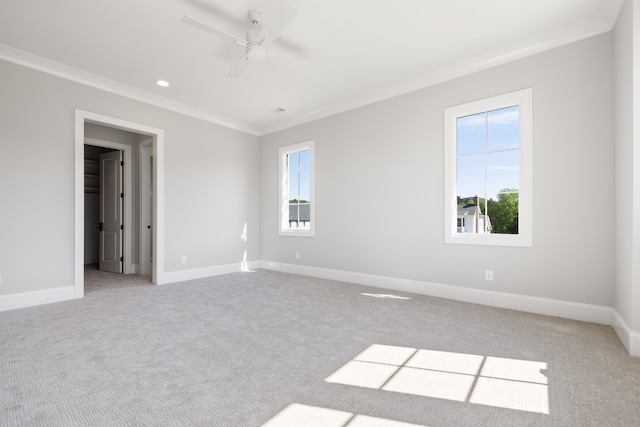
{"x":255,"y":52}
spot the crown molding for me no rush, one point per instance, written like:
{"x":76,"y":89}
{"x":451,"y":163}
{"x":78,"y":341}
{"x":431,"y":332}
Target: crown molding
{"x":44,"y":65}
{"x":549,"y":41}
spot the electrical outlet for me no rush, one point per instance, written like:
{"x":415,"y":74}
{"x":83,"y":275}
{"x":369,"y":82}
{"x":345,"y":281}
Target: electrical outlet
{"x":297,"y":254}
{"x":488,"y":275}
{"x":183,"y":259}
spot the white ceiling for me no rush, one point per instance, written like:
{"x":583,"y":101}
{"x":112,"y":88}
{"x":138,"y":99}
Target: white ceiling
{"x":356,"y":51}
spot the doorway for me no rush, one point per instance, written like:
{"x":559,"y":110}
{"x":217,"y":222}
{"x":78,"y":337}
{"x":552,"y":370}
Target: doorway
{"x":151,"y":143}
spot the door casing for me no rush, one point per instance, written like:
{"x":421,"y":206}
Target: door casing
{"x":82,"y":117}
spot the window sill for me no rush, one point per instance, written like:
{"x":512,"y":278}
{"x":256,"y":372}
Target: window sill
{"x":489,"y":240}
{"x":296,"y":233}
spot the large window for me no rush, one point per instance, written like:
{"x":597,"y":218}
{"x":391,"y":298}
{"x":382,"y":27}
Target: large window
{"x":488,"y":171}
{"x":296,"y":190}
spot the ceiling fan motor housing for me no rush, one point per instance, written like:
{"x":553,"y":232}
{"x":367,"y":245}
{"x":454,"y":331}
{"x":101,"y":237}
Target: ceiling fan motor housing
{"x":254,"y":16}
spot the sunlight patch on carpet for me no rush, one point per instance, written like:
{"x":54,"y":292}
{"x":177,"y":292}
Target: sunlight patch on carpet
{"x":484,"y":380}
{"x":297,"y":415}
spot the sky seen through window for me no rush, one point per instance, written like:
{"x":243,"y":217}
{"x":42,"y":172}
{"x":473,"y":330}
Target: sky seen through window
{"x":487,"y":152}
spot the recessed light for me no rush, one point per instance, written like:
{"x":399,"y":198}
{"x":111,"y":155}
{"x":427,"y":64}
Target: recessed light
{"x":162,"y":83}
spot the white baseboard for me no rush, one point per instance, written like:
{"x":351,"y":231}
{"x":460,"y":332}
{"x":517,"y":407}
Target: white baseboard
{"x":630,"y":339}
{"x":30,"y":299}
{"x":551,"y":307}
{"x":199,"y":273}
{"x":47,"y":296}
{"x":546,"y":306}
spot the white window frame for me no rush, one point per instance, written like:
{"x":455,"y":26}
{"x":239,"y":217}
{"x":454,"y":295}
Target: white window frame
{"x":523,"y":99}
{"x":284,"y":229}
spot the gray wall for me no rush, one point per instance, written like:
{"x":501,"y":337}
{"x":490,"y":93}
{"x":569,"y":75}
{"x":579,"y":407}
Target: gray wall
{"x":379,"y":184}
{"x":211,"y":176}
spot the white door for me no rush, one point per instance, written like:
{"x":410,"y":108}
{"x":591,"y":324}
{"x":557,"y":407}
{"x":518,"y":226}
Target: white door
{"x":146,"y":206}
{"x":111,"y":212}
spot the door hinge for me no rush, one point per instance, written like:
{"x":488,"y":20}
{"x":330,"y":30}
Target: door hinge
{"x":122,"y":195}
{"x":121,"y":227}
{"x":121,"y":163}
{"x":121,"y":259}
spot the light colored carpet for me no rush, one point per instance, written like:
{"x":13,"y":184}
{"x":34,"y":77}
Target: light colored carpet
{"x":252,"y":348}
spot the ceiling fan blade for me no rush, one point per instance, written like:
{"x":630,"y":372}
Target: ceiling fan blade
{"x":239,"y":67}
{"x":212,"y":30}
{"x":278,"y":22}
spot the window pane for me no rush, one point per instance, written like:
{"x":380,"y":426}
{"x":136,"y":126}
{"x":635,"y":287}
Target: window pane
{"x":503,"y":213}
{"x":294,"y":160}
{"x":470,"y":131}
{"x":304,"y":214}
{"x":502,"y":171}
{"x":294,"y":190}
{"x":305,"y":190}
{"x":502,"y":128}
{"x":305,"y":163}
{"x":293,"y":213}
{"x":470,"y":176}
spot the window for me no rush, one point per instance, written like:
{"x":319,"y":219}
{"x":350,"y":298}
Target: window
{"x":296,"y":190}
{"x":488,"y":171}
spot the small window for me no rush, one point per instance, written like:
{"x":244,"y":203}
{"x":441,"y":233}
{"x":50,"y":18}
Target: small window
{"x":488,"y":171}
{"x":296,"y":191}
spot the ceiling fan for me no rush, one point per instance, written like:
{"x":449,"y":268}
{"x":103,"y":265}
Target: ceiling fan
{"x":259,"y":37}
